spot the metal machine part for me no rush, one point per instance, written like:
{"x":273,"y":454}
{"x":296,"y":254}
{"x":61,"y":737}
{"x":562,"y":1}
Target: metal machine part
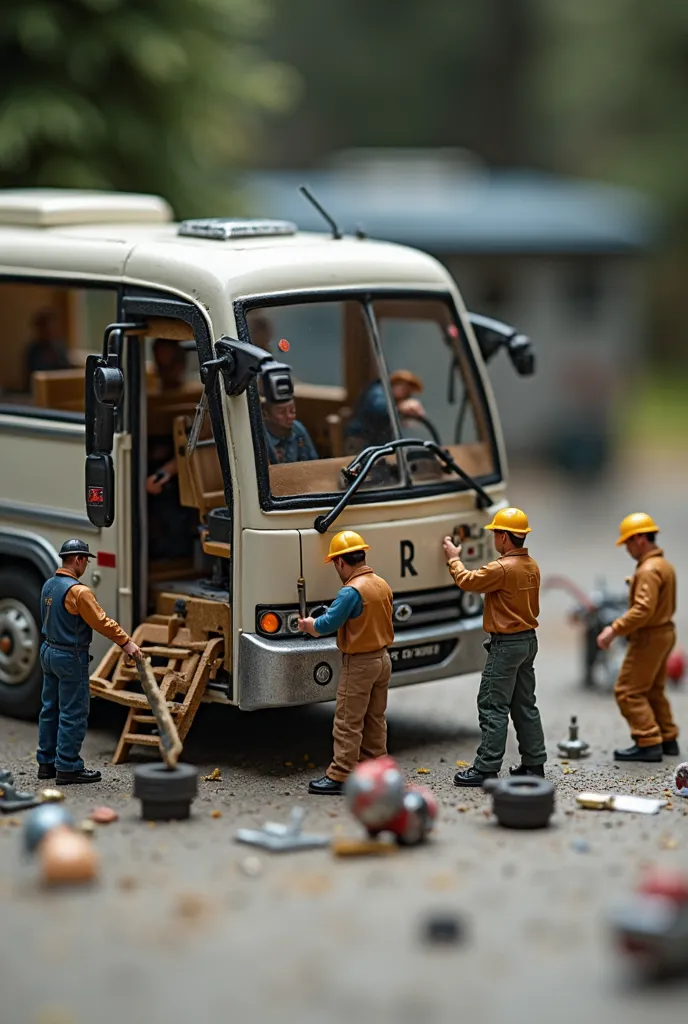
{"x":12,"y":799}
{"x":574,"y":747}
{"x":283,"y":838}
{"x":614,"y":802}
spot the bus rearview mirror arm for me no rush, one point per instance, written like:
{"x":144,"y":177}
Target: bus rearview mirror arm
{"x":493,"y":335}
{"x":238,"y":362}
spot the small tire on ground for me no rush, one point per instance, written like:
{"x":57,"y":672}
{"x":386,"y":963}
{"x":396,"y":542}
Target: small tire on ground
{"x":165,"y":793}
{"x":23,"y":700}
{"x":523,"y":802}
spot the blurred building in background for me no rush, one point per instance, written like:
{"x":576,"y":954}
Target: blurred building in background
{"x":562,"y":260}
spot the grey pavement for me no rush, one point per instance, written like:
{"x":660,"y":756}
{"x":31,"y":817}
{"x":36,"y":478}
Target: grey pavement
{"x":177,"y":930}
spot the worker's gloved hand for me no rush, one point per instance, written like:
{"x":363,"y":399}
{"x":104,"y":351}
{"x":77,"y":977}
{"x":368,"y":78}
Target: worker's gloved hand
{"x":133,"y":650}
{"x":307,"y":626}
{"x":450,"y":549}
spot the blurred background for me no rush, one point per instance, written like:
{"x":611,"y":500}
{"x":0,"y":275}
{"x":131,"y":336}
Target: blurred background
{"x":537,"y":148}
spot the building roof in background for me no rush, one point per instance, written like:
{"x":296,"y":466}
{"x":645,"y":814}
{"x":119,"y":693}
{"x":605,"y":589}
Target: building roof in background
{"x":447,"y":206}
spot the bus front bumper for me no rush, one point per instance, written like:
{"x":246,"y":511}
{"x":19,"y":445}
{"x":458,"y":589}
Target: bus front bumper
{"x":305,"y":670}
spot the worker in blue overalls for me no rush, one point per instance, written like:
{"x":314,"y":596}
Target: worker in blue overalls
{"x":70,"y":613}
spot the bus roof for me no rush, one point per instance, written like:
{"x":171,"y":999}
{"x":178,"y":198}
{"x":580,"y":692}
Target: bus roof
{"x":92,"y":236}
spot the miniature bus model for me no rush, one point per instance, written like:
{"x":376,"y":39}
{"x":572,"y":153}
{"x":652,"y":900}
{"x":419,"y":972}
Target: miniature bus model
{"x":103,"y":300}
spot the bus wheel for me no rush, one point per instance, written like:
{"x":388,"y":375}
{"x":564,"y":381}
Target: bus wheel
{"x":21,"y":678}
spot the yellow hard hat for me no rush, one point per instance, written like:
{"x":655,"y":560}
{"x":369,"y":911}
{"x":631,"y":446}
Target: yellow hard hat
{"x":637,"y":522}
{"x":512,"y":520}
{"x":344,"y":543}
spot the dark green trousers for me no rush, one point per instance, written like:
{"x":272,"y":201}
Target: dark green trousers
{"x":507,"y":687}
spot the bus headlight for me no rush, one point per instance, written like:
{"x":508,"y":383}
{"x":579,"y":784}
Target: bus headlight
{"x":471,"y":604}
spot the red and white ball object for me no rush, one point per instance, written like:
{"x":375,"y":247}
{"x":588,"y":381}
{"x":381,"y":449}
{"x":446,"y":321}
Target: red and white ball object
{"x":676,"y":665}
{"x":378,"y":797}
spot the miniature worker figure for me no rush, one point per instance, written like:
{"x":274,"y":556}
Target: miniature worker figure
{"x":370,"y":423}
{"x":649,"y":626}
{"x":70,"y":614}
{"x":511,"y":585}
{"x":287,"y":438}
{"x":362,"y":615}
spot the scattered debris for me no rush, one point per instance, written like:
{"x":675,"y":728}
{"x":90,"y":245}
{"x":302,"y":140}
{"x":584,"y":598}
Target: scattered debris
{"x":251,"y":866}
{"x":283,"y":838}
{"x":41,"y":821}
{"x":681,"y":779}
{"x":422,"y":771}
{"x":463,"y":764}
{"x":573,"y":747}
{"x":12,"y":799}
{"x":128,"y":883}
{"x":51,"y":796}
{"x":652,"y":926}
{"x":190,"y":905}
{"x":87,"y":827}
{"x":216,"y":814}
{"x":166,"y":794}
{"x":379,"y":798}
{"x":6,"y":777}
{"x":523,"y":801}
{"x":214,"y":776}
{"x":345,"y":847}
{"x":67,"y":858}
{"x":444,"y":928}
{"x":103,"y":815}
{"x":581,"y":846}
{"x":569,"y":771}
{"x":668,"y":843}
{"x":288,"y":764}
{"x":614,"y":802}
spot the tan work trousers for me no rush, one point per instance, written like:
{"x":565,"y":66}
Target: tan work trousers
{"x":360,"y":729}
{"x":639,"y":690}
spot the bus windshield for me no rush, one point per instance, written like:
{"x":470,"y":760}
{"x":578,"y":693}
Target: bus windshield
{"x":367,"y":372}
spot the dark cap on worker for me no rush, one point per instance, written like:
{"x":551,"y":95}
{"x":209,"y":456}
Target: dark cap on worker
{"x":75,"y":547}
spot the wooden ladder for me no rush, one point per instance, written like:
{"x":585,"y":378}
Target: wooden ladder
{"x":183,"y":680}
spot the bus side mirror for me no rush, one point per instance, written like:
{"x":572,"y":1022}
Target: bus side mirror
{"x":238,"y":363}
{"x":492,"y":335}
{"x":104,"y":394}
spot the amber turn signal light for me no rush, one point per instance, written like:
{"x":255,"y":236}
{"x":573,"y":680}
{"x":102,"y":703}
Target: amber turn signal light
{"x":269,"y":622}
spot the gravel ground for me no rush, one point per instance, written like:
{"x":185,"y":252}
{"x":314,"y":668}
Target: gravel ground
{"x":187,"y":925}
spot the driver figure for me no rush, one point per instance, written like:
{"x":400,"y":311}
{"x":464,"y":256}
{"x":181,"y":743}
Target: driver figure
{"x":370,"y":423}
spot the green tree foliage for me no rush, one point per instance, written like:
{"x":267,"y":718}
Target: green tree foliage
{"x":150,"y":95}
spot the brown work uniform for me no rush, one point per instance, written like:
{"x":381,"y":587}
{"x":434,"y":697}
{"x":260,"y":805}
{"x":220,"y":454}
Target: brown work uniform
{"x":649,"y":626}
{"x":511,"y":585}
{"x":360,"y":729}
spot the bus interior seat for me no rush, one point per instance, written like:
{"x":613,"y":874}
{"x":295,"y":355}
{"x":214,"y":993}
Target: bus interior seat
{"x":200,"y":477}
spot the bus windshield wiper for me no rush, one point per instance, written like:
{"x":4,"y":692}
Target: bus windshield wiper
{"x":360,"y":466}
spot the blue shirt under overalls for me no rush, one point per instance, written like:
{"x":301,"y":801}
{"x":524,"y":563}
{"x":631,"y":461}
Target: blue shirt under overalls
{"x":61,"y":629}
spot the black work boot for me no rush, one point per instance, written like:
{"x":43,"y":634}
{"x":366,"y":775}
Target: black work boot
{"x":472,"y":777}
{"x":670,"y":748}
{"x":529,"y":769}
{"x":326,"y":787}
{"x":46,"y":771}
{"x":74,"y":778}
{"x":636,"y":753}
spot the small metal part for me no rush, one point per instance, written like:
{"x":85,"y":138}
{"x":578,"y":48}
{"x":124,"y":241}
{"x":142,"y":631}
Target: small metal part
{"x":51,"y":796}
{"x":573,"y":747}
{"x":12,"y":799}
{"x":444,"y":928}
{"x":6,"y":776}
{"x":615,"y":802}
{"x":283,"y":838}
{"x":301,"y":588}
{"x":42,"y":820}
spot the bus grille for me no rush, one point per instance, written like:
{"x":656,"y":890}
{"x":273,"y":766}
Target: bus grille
{"x":434,"y":607}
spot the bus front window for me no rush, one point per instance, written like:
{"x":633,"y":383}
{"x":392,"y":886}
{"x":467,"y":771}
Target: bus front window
{"x":341,"y":402}
{"x":434,"y":386}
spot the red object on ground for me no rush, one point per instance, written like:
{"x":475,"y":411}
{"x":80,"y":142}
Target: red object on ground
{"x":676,"y":665}
{"x":103,"y":815}
{"x":673,"y":885}
{"x":378,"y":796}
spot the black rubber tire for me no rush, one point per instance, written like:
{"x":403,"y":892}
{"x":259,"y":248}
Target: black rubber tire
{"x":523,"y":802}
{"x":159,"y":784}
{"x":24,"y":699}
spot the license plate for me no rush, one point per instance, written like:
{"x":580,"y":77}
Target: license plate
{"x":417,"y":655}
